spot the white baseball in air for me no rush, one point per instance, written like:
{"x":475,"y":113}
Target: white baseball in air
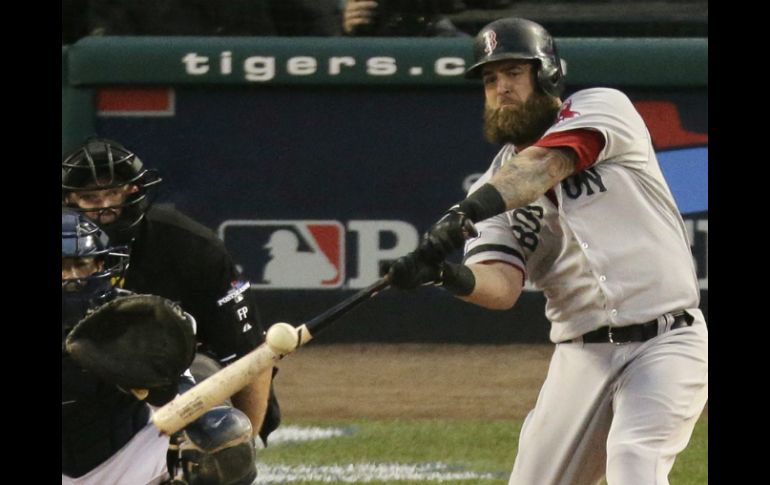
{"x":282,"y":338}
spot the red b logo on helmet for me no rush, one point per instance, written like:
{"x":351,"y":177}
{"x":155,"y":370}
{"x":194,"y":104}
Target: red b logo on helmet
{"x":490,"y":41}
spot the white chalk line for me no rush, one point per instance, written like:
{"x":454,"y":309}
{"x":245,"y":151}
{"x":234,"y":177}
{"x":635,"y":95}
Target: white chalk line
{"x":269,"y":474}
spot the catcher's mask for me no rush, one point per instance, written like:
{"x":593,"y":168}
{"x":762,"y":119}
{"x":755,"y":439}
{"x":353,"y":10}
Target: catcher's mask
{"x":517,"y":38}
{"x":82,"y":238}
{"x":102,"y":164}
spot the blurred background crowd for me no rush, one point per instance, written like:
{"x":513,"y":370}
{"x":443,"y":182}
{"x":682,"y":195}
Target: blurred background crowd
{"x":563,"y":18}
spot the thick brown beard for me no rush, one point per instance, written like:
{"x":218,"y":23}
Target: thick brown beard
{"x":522,"y":125}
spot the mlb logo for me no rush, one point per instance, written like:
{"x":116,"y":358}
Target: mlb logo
{"x":285,"y":254}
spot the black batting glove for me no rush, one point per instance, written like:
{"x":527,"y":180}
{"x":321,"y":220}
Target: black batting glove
{"x":410,"y":271}
{"x":446,"y":236}
{"x":451,"y":231}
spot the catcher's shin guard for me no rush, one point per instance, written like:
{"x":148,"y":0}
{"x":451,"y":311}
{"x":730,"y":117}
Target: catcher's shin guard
{"x":219,"y":449}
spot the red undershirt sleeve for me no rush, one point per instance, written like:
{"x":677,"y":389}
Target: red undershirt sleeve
{"x":586,"y":143}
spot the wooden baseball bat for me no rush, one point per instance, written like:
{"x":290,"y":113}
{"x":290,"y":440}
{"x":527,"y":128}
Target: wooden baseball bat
{"x":211,"y":392}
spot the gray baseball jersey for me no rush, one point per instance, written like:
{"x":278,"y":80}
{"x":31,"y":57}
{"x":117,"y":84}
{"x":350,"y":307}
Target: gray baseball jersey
{"x":607,"y":246}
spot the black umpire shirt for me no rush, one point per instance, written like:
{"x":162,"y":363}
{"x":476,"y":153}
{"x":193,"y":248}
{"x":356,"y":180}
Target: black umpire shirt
{"x":180,"y":259}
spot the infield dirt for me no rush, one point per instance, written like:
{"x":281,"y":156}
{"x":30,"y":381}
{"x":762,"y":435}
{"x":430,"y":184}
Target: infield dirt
{"x":411,"y":381}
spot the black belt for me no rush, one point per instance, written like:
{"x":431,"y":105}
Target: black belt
{"x":639,"y":332}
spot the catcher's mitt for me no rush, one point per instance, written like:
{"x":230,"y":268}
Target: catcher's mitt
{"x":135,"y":342}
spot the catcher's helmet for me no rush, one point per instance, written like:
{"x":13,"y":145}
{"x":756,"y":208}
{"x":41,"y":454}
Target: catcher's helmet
{"x":82,"y":238}
{"x":103,"y":164}
{"x":517,"y":38}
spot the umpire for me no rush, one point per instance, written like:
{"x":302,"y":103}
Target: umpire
{"x":174,"y":257}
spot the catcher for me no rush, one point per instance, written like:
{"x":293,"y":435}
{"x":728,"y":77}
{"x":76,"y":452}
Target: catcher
{"x":122,"y":355}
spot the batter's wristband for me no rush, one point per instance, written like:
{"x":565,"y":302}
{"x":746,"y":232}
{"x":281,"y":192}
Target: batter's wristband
{"x":482,"y":204}
{"x":457,"y":279}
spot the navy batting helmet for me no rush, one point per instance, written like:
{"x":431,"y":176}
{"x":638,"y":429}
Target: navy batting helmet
{"x":517,"y":38}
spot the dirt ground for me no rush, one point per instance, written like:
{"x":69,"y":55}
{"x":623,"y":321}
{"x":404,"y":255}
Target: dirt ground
{"x":443,"y":381}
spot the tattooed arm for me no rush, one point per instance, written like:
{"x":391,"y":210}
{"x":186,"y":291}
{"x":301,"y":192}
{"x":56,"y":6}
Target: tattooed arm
{"x":528,"y":175}
{"x":520,"y":181}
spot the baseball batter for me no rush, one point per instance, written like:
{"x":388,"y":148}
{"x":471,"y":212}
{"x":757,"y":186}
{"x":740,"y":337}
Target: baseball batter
{"x":575,"y":201}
